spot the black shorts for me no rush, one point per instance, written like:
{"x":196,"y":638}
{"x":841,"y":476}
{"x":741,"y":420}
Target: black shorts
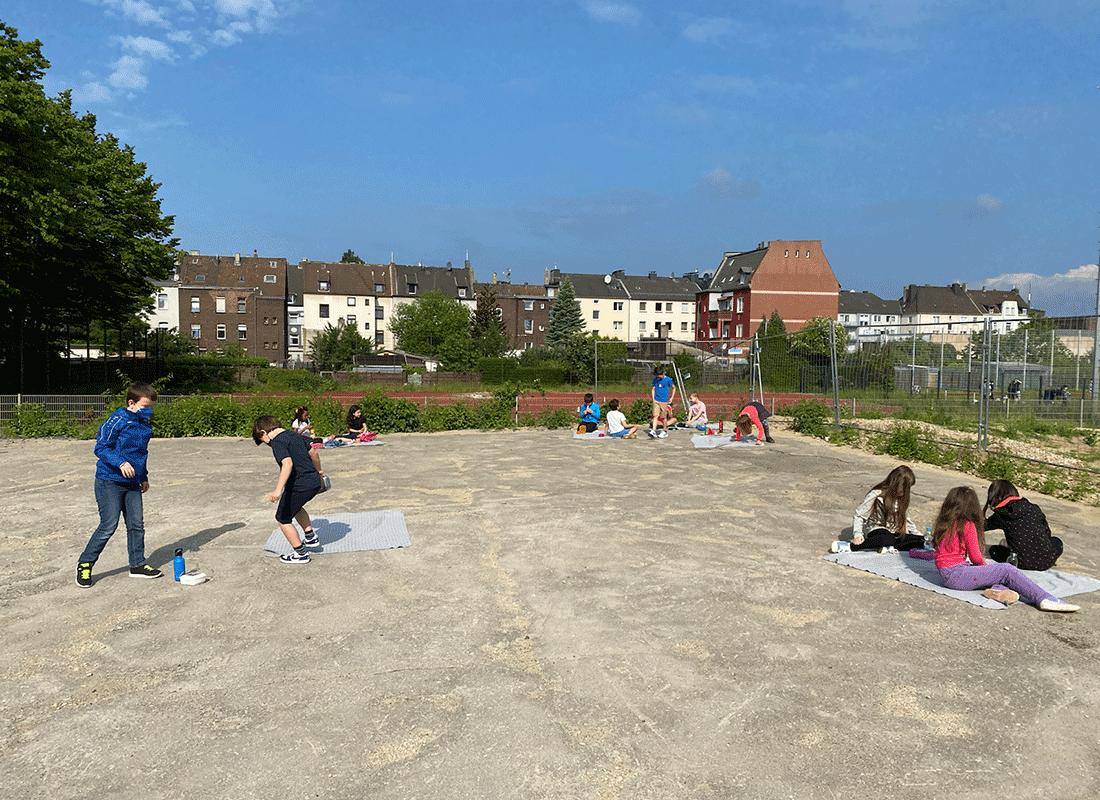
{"x":292,"y":502}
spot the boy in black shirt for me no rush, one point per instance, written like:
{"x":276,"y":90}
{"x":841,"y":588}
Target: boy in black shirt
{"x":300,"y":477}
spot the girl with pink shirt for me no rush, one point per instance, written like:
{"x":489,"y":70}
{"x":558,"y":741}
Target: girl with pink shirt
{"x":957,"y":537}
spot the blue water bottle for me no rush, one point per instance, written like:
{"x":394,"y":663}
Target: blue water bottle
{"x":177,"y":563}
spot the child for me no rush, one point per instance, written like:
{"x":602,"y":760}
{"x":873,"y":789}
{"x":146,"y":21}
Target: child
{"x":121,"y":478}
{"x":662,"y":394}
{"x":697,"y":413}
{"x":957,"y":536}
{"x":590,"y":415}
{"x":356,"y":424}
{"x":617,"y":425}
{"x":1028,"y":542}
{"x":754,"y":414}
{"x":300,"y":477}
{"x":301,"y":425}
{"x":882,"y":520}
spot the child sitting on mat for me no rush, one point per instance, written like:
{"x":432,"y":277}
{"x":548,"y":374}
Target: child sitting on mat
{"x":697,"y":413}
{"x":617,"y":426}
{"x":589,"y":413}
{"x":1028,"y":542}
{"x":882,"y":520}
{"x":957,"y":537}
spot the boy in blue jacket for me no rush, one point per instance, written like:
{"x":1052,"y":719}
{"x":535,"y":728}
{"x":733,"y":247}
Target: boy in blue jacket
{"x":589,"y":413}
{"x":121,"y":477}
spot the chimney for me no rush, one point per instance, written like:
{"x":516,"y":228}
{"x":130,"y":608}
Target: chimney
{"x":255,"y":253}
{"x":237,"y":259}
{"x":545,"y":277}
{"x":194,"y":252}
{"x":494,"y":277}
{"x":653,"y":276}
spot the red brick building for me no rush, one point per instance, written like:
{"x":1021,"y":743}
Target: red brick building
{"x":793,"y":278}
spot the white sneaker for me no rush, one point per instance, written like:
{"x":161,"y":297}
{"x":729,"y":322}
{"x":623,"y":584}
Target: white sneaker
{"x":1057,"y":605}
{"x":883,"y":550}
{"x":652,"y":434}
{"x":662,"y":434}
{"x":840,"y":547}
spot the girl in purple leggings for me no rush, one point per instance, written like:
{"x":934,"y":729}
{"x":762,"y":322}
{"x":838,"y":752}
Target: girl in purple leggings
{"x":957,"y":536}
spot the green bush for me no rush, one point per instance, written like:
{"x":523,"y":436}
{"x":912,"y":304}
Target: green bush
{"x":558,"y":418}
{"x":384,"y":414}
{"x":997,"y":466}
{"x":641,"y":412}
{"x":808,"y":417}
{"x":32,"y":420}
{"x":1091,"y":437}
{"x":617,"y":373}
{"x":457,"y":416}
{"x":294,"y":380}
{"x":547,"y":375}
{"x":844,"y":435}
{"x":495,"y":371}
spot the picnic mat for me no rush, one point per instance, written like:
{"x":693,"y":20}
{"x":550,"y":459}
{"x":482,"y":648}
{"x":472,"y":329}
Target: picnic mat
{"x":593,"y":435}
{"x":702,"y":441}
{"x":336,"y":443}
{"x":345,"y":533}
{"x":924,"y":575}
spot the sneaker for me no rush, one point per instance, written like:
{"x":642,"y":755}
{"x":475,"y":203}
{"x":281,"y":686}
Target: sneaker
{"x":145,"y":571}
{"x":662,"y":434}
{"x":1057,"y":605}
{"x":295,"y":558}
{"x":840,"y":547}
{"x":769,"y":440}
{"x":884,"y":550}
{"x":84,"y":574}
{"x":651,"y":433}
{"x":311,"y":539}
{"x":1006,"y":596}
{"x":633,"y":435}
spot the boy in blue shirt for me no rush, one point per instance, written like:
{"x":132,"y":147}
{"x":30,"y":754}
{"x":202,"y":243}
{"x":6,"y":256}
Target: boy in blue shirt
{"x":589,"y":413}
{"x":662,"y":394}
{"x":121,"y":478}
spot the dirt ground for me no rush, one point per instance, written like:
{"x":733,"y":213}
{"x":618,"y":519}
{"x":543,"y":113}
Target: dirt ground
{"x":574,"y":619}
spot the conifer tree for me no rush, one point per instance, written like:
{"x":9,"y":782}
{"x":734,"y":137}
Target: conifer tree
{"x":487,"y":329}
{"x":566,"y":320}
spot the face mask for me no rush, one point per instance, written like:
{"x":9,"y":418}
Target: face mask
{"x":144,"y":414}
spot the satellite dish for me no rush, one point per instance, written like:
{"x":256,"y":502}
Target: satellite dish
{"x":607,"y":279}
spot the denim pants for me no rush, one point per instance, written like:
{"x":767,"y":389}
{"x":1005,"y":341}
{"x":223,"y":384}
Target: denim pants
{"x":115,"y":499}
{"x":997,"y":576}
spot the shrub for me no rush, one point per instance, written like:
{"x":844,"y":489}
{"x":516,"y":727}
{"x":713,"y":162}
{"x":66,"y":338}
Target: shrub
{"x":495,"y":371}
{"x":808,"y":417}
{"x":617,"y":373}
{"x":641,"y":412}
{"x":33,"y":420}
{"x":844,"y":435}
{"x":457,"y":416}
{"x":384,"y":414}
{"x":1091,"y":437}
{"x":558,"y":418}
{"x":294,"y":380}
{"x":997,"y":466}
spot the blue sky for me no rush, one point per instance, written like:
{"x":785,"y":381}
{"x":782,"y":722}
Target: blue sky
{"x":923,"y":141}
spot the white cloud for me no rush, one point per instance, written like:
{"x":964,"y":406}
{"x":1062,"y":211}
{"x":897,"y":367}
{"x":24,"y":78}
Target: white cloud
{"x":261,"y":12}
{"x":183,"y":37}
{"x":1063,"y":293}
{"x":139,"y":11}
{"x":230,"y":34}
{"x":988,"y":202}
{"x":142,"y":46}
{"x":604,"y":11}
{"x":719,"y":182}
{"x":92,"y":92}
{"x":129,"y":74}
{"x":709,"y":29}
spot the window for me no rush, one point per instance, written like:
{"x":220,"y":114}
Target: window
{"x":379,"y":338}
{"x":366,"y":326}
{"x":194,"y":305}
{"x":295,"y":340}
{"x":196,"y":331}
{"x":617,"y":306}
{"x":162,"y":301}
{"x":739,"y":329}
{"x":641,"y":306}
{"x":528,"y":345}
{"x":528,"y":326}
{"x":412,"y":288}
{"x":322,"y":311}
{"x":786,"y":253}
{"x":242,"y":332}
{"x":379,"y":288}
{"x":351,"y":301}
{"x":269,"y":278}
{"x":379,"y":312}
{"x":241,"y":304}
{"x":351,"y":319}
{"x":528,"y":305}
{"x":221,"y":333}
{"x":846,"y":319}
{"x":616,"y":326}
{"x":683,"y":326}
{"x":461,"y":291}
{"x":740,"y":305}
{"x":796,"y":254}
{"x":641,"y":324}
{"x":200,"y":279}
{"x":322,"y":286}
{"x":267,"y":345}
{"x":265,"y":320}
{"x":878,"y":317}
{"x":273,"y":265}
{"x":596,"y":314}
{"x":685,"y":308}
{"x":219,"y":305}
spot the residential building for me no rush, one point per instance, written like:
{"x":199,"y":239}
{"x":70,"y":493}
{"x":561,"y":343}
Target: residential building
{"x":957,"y":311}
{"x":366,"y":295}
{"x":524,"y":310}
{"x":632,"y":307}
{"x":236,"y":299}
{"x":867,"y":317}
{"x":296,"y":351}
{"x":166,"y":305}
{"x":793,"y":278}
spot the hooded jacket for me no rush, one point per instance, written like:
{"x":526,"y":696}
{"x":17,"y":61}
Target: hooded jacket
{"x":1026,"y":533}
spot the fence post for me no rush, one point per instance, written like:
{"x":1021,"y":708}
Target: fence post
{"x":833,"y":368}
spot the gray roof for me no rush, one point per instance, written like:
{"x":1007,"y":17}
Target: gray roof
{"x":849,"y":302}
{"x":952,"y":299}
{"x":737,"y":269}
{"x":628,"y":287}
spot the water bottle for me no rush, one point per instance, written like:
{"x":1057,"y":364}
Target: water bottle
{"x":177,"y":563}
{"x":928,"y":538}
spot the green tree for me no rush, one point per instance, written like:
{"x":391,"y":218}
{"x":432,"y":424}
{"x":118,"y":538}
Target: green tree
{"x":337,"y":348}
{"x":778,"y":368}
{"x":349,"y":257}
{"x":566,"y":320}
{"x":81,"y":231}
{"x":487,"y":329}
{"x":812,"y":340}
{"x":426,"y":324}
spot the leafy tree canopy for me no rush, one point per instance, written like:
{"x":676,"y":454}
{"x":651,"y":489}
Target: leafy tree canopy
{"x":349,"y":257}
{"x":81,"y":231}
{"x":426,"y":324}
{"x":813,"y":338}
{"x":336,"y":348}
{"x":566,"y":320}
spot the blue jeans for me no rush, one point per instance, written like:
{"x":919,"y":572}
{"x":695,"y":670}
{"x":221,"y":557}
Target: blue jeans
{"x":115,"y":499}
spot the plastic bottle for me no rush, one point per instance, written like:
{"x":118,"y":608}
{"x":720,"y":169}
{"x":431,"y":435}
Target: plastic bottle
{"x":178,"y":567}
{"x":928,"y":538}
{"x":721,"y":424}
